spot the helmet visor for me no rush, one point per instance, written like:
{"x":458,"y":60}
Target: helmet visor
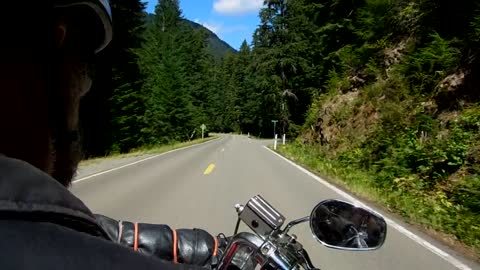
{"x":95,"y":16}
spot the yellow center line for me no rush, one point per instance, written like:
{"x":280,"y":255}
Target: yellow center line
{"x":209,"y":169}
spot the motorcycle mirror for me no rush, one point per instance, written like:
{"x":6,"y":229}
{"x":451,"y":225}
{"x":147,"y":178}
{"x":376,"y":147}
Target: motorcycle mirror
{"x":341,"y":225}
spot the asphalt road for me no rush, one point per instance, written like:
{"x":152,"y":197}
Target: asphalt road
{"x":198,"y":187}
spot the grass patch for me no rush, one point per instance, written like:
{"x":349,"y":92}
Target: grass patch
{"x":431,"y":211}
{"x":158,"y":149}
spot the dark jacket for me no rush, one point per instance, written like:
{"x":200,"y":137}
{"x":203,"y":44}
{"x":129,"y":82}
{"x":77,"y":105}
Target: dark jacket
{"x":43,"y":226}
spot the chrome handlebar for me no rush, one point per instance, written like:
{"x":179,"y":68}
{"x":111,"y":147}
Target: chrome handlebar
{"x":271,"y":248}
{"x":247,"y":251}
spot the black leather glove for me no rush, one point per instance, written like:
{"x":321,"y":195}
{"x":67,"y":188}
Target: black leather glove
{"x":194,"y":247}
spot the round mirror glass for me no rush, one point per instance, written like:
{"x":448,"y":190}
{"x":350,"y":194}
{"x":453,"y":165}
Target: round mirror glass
{"x":341,"y":225}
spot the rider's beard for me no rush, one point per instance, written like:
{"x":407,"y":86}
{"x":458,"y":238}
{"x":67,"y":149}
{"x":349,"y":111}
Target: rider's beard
{"x":72,"y":80}
{"x":66,"y":155}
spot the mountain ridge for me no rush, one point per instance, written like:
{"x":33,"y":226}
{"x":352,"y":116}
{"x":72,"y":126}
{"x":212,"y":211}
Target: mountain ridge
{"x":217,"y":47}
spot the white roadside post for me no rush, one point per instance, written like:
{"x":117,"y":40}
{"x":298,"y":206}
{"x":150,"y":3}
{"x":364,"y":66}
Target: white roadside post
{"x":275,"y":142}
{"x":203,"y":127}
{"x":284,"y":139}
{"x":275,"y":134}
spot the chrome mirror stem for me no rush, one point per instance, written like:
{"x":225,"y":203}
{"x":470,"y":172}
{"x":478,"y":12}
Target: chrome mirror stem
{"x":295,"y":222}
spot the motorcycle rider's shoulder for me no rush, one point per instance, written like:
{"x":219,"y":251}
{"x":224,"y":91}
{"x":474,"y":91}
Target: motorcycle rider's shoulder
{"x":44,"y":226}
{"x":34,"y":245}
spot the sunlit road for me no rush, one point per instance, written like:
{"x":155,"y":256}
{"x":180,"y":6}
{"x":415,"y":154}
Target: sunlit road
{"x":198,"y":187}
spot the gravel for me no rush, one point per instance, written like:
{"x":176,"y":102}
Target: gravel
{"x":107,"y":164}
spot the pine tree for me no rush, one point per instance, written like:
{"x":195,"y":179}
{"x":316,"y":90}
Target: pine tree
{"x":276,"y":64}
{"x":176,"y":65}
{"x":126,"y":104}
{"x":111,"y":112}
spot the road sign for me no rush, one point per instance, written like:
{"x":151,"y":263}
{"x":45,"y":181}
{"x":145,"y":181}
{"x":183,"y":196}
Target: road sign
{"x":274,"y":127}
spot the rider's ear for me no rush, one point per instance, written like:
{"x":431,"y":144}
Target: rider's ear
{"x":60,"y":33}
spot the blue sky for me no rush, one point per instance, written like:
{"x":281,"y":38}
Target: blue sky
{"x":232,"y":20}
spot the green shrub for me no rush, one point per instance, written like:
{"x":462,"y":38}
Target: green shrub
{"x":428,"y":65}
{"x":337,"y":82}
{"x":467,"y":193}
{"x":455,"y":212}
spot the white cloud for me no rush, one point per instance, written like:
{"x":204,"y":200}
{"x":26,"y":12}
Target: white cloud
{"x":237,"y":7}
{"x":220,"y":28}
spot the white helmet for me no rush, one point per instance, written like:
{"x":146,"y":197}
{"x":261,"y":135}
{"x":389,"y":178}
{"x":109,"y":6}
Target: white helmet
{"x":103,"y":13}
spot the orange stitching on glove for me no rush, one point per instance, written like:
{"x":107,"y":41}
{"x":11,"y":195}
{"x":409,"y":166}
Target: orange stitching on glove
{"x":135,"y":241}
{"x":215,"y":250}
{"x":175,"y":240}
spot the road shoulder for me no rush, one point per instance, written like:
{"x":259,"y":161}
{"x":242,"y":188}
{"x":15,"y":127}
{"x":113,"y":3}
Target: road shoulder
{"x":425,"y":238}
{"x":89,"y":168}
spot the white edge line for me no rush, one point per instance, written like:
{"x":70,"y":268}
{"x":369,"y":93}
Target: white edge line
{"x":139,"y":161}
{"x":444,"y":255}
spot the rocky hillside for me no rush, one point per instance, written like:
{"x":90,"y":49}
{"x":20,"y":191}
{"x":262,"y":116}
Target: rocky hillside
{"x":399,"y":118}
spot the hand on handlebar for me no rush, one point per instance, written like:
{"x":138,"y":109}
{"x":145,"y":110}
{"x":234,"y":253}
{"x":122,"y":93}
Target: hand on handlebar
{"x":189,"y":246}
